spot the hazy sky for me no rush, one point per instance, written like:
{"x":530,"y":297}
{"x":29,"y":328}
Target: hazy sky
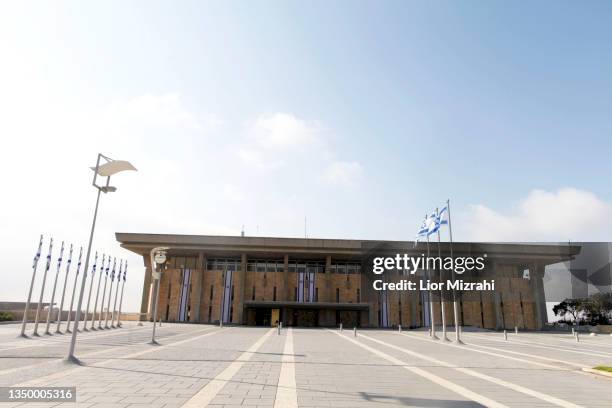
{"x":362,"y":116}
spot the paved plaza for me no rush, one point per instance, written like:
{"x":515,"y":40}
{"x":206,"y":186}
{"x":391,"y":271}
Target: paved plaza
{"x":204,"y":365}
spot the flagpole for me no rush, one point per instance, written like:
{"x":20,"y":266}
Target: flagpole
{"x":442,"y":302}
{"x":455,"y":305}
{"x":93,"y":315}
{"x":50,"y":310}
{"x":27,"y":305}
{"x":42,"y":289}
{"x":432,"y":319}
{"x":110,"y":293}
{"x":59,"y":313}
{"x":121,"y":299}
{"x":93,"y":274}
{"x":116,"y":293}
{"x":104,"y":293}
{"x":76,"y":278}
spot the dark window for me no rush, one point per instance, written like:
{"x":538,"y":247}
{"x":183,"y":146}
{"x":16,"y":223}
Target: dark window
{"x":232,"y":293}
{"x":231,"y":314}
{"x":169,"y":290}
{"x":212,"y":290}
{"x":337,"y":295}
{"x":358,"y":295}
{"x":274,"y":294}
{"x":316,"y":294}
{"x":253,"y":298}
{"x":295,"y":294}
{"x":167,"y":311}
{"x":209,"y":313}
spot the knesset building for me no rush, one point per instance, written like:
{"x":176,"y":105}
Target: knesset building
{"x":325,"y":282}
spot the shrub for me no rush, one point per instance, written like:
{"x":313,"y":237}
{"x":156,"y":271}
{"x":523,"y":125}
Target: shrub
{"x":6,"y":316}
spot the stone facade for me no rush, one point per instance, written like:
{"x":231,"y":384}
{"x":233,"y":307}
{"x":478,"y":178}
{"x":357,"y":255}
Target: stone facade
{"x":348,"y":297}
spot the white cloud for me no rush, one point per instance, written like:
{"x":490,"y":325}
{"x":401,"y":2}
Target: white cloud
{"x":282,"y":131}
{"x":344,"y":173}
{"x":565,"y":214}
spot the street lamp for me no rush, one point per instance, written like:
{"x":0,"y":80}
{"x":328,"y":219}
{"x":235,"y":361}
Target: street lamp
{"x":106,"y":169}
{"x":158,"y":256}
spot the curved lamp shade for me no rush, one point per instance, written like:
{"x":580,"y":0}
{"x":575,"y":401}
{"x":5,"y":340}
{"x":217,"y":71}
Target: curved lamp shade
{"x":114,"y":167}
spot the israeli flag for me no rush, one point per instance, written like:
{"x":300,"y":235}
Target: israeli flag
{"x":113,"y":271}
{"x":93,"y":270}
{"x":443,"y":216}
{"x":422,"y":231}
{"x":79,"y":261}
{"x":432,"y":224}
{"x":125,"y":271}
{"x":38,"y":251}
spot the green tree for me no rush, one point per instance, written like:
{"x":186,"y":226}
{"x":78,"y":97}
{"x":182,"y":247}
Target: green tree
{"x":572,"y":307}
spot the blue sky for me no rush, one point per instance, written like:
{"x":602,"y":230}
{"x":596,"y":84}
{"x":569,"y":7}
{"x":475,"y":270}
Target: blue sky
{"x":362,"y":116}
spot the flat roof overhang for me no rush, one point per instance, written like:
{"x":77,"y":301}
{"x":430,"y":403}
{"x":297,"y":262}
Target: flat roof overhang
{"x":306,"y":305}
{"x":219,"y":245}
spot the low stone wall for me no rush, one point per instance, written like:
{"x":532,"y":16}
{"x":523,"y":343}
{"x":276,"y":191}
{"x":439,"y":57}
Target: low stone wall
{"x":18,"y":315}
{"x":603,"y":329}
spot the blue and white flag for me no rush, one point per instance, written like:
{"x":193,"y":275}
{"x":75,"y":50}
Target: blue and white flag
{"x":422,"y":231}
{"x":79,"y":262}
{"x":69,"y":259}
{"x":61,"y":255}
{"x":93,"y":270}
{"x":125,"y":271}
{"x":102,"y":264}
{"x":443,"y":216}
{"x":119,"y":273}
{"x":38,"y":251}
{"x":107,"y":267}
{"x":432,"y":224}
{"x":113,"y":271}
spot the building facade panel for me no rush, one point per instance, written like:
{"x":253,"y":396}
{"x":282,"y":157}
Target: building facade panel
{"x":262,"y":281}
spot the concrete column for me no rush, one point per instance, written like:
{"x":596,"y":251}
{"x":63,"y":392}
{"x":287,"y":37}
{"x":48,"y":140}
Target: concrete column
{"x":242,"y":273}
{"x":196,"y":288}
{"x":146,"y":290}
{"x":329,"y":291}
{"x":499,"y":321}
{"x":496,"y":299}
{"x":538,"y":295}
{"x":414,"y":304}
{"x":286,"y":278}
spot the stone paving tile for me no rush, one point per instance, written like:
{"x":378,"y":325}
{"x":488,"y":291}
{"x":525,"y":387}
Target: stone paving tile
{"x":330,"y":371}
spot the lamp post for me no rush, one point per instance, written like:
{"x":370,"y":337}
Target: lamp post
{"x":158,"y":256}
{"x":109,"y":168}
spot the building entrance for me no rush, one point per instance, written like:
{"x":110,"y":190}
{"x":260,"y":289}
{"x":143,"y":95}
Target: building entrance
{"x":263,"y":317}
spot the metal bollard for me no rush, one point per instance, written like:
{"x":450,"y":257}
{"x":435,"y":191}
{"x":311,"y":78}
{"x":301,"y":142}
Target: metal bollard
{"x":515,"y":329}
{"x":506,"y":335}
{"x":340,"y":326}
{"x":577,"y":337}
{"x":399,"y":328}
{"x":355,"y":331}
{"x":573,"y":332}
{"x":278,"y":329}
